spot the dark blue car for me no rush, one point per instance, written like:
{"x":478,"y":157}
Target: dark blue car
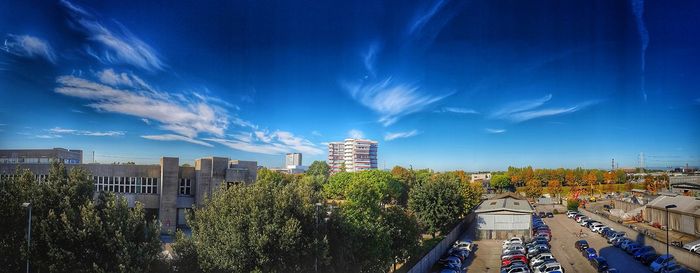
{"x":638,"y":254}
{"x":590,"y":253}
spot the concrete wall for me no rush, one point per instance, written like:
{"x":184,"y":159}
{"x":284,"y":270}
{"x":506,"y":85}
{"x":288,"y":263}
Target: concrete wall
{"x":202,"y":171}
{"x":168,"y":185}
{"x":427,"y":262}
{"x":683,"y":256}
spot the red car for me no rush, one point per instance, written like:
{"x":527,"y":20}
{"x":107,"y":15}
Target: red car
{"x":507,"y":260}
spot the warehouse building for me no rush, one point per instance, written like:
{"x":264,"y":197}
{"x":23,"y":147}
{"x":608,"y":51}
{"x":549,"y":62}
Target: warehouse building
{"x":685,"y":217}
{"x":504,"y":216}
{"x":166,"y":190}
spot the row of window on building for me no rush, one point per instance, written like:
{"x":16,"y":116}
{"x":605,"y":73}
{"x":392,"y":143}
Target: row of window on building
{"x":36,"y":160}
{"x":121,"y":184}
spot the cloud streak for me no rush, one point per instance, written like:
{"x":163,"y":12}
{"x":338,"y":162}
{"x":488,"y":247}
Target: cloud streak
{"x":182,"y":115}
{"x":28,"y":47}
{"x":457,"y":110}
{"x":524,"y":110}
{"x":275,"y":143}
{"x":63,"y":131}
{"x":354,"y":133}
{"x":391,"y":101}
{"x":116,"y":46}
{"x":638,"y":10}
{"x":495,"y":131}
{"x":392,"y":136}
{"x":173,"y":137}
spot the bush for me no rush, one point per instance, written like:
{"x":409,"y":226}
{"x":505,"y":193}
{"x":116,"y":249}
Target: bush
{"x":572,"y":204}
{"x":555,"y":211}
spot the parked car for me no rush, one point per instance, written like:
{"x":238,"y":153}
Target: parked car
{"x":514,"y":264}
{"x":693,"y":246}
{"x":670,"y":268}
{"x":600,"y":264}
{"x":542,"y":214}
{"x":615,"y":236}
{"x":581,"y":244}
{"x":620,"y":241}
{"x":517,"y":269}
{"x":589,"y":253}
{"x":468,"y":245}
{"x":571,"y":213}
{"x":535,"y":251}
{"x":513,"y":240}
{"x":540,"y":258}
{"x":550,"y":215}
{"x":631,"y":249}
{"x":451,"y":262}
{"x":661,"y":261}
{"x":548,"y":268}
{"x":449,"y":270}
{"x":648,"y":258}
{"x":626,"y":244}
{"x":514,"y":247}
{"x":581,"y":218}
{"x":638,"y":254}
{"x":596,"y":227}
{"x":541,"y":262}
{"x":507,"y":260}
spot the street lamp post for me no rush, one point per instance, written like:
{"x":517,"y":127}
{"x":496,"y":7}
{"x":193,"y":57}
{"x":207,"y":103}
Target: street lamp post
{"x":668,"y":225}
{"x":317,"y":205}
{"x":29,"y":230}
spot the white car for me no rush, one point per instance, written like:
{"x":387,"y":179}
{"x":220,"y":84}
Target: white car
{"x":466,"y":245}
{"x":571,"y":213}
{"x":516,"y":247}
{"x":581,"y":219}
{"x":597,"y":226}
{"x":541,"y":257}
{"x":693,"y":246}
{"x":514,"y":240}
{"x":548,"y":268}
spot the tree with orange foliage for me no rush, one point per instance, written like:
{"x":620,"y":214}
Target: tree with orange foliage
{"x":554,"y":187}
{"x":570,"y":178}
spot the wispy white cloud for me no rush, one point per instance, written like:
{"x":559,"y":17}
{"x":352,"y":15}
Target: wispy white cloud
{"x":117,"y":46}
{"x":47,"y":136}
{"x":370,"y":57}
{"x":145,"y":120}
{"x":316,"y":133}
{"x":420,"y":21}
{"x":391,"y":101}
{"x":517,"y":106}
{"x":278,"y":142}
{"x":29,"y":47}
{"x":392,"y":136}
{"x":495,"y":131}
{"x":457,"y":110}
{"x":173,"y":137}
{"x":524,"y":110}
{"x":64,"y":131}
{"x":108,"y":76}
{"x":354,"y":133}
{"x":184,"y":116}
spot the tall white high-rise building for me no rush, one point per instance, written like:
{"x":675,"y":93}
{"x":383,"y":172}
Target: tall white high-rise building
{"x":293,"y":159}
{"x":353,"y":154}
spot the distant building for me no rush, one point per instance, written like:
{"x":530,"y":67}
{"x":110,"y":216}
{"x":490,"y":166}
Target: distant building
{"x":685,"y":217}
{"x":353,"y":155}
{"x":41,"y":156}
{"x":481,"y":177}
{"x":504,"y":216}
{"x":293,"y":159}
{"x":167,"y":190}
{"x":686,"y":185}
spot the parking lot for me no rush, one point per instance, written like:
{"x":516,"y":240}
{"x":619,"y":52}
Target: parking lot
{"x":565,"y":232}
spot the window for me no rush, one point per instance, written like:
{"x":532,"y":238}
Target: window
{"x":132,"y":187}
{"x":185,"y":186}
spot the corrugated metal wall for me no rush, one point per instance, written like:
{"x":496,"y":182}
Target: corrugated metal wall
{"x":504,"y":221}
{"x":683,"y":223}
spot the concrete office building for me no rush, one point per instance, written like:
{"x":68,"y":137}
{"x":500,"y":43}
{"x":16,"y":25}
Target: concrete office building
{"x":352,"y":154}
{"x":167,"y":190}
{"x":32,"y":156}
{"x":292,"y":160}
{"x":503,"y":217}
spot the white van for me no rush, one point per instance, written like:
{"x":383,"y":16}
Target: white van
{"x":693,"y":246}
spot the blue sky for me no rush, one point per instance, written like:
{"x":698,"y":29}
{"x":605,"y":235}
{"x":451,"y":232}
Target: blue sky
{"x":471,"y":85}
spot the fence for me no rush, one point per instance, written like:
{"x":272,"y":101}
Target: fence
{"x":626,"y":206}
{"x":682,"y":256}
{"x":427,"y":262}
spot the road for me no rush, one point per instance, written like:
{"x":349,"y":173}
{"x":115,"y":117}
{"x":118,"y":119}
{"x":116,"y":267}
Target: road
{"x":564,"y":232}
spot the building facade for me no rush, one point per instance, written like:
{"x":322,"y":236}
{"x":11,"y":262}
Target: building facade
{"x":685,"y":185}
{"x":166,"y":190}
{"x":353,"y":155}
{"x":33,"y":156}
{"x":503,"y":217}
{"x":685,"y":217}
{"x":292,"y":160}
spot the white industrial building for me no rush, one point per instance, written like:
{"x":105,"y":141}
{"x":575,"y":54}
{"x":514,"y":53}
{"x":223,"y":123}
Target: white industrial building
{"x":504,"y":216}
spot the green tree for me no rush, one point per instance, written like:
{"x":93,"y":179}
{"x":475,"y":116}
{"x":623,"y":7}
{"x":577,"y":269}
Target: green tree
{"x":403,"y":231}
{"x":438,"y":203}
{"x":269,"y":226}
{"x":389,"y":189}
{"x":74,"y":233}
{"x":337,"y":185}
{"x":319,"y":168}
{"x":471,"y":192}
{"x":500,"y":182}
